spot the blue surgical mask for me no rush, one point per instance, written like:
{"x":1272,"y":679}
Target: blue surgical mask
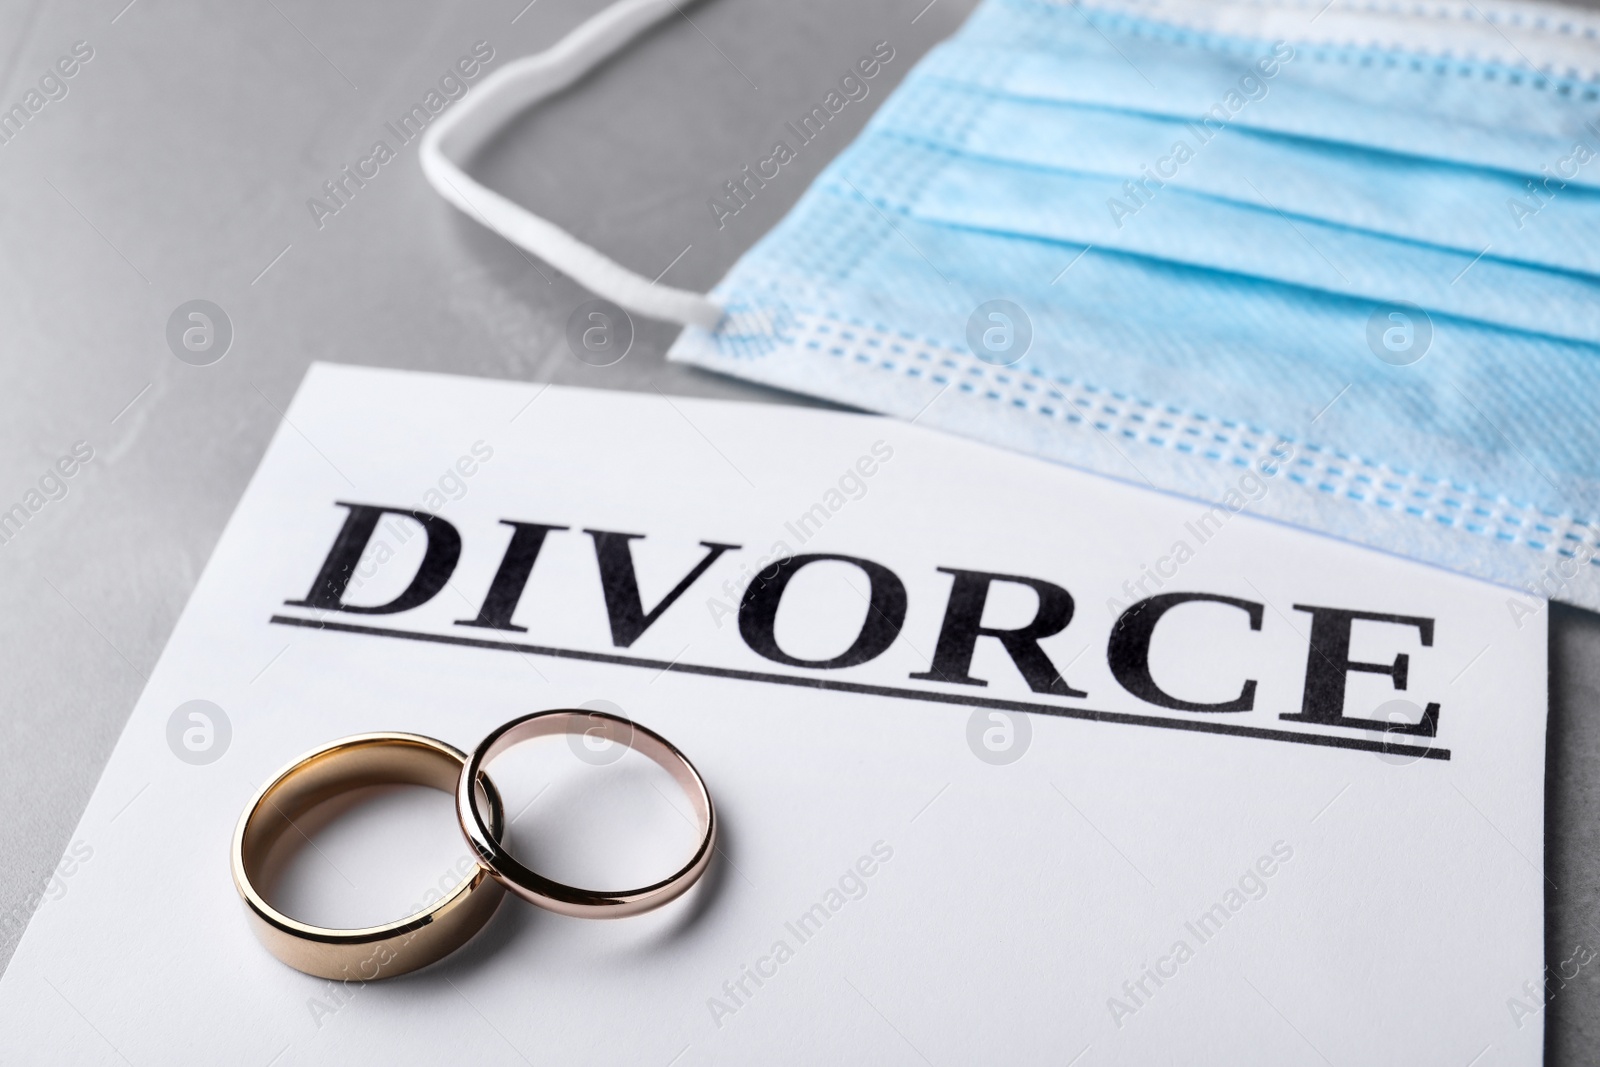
{"x":1175,"y":257}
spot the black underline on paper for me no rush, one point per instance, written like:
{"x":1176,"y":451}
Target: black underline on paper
{"x":836,"y":685}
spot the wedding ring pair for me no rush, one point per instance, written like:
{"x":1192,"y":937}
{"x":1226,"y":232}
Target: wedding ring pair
{"x":448,"y":923}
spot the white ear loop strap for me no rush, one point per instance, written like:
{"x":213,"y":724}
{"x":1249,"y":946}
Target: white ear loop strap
{"x":461,"y":130}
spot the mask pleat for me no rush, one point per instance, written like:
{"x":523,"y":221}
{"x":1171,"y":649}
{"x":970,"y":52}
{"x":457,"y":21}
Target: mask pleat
{"x":1466,"y":209}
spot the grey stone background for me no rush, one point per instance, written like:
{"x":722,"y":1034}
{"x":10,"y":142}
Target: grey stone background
{"x":178,"y":167}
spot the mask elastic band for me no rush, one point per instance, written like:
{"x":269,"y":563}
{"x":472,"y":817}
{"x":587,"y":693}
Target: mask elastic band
{"x":464,"y":128}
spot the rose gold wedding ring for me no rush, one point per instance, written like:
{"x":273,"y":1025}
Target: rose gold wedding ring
{"x":335,"y":768}
{"x":564,"y":899}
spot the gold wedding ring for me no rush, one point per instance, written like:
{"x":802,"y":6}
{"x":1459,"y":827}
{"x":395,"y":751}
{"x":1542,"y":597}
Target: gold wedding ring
{"x":565,"y":899}
{"x":377,"y":951}
{"x":442,"y":927}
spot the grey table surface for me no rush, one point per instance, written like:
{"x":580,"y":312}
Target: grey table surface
{"x":179,"y":165}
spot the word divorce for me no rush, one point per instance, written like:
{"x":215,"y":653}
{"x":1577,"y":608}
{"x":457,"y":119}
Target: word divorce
{"x":889,"y":604}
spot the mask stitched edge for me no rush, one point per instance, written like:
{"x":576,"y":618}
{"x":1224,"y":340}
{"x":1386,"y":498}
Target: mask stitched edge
{"x":1133,"y":424}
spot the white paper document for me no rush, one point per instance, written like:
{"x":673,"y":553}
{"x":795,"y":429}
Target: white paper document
{"x":1013,"y":763}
